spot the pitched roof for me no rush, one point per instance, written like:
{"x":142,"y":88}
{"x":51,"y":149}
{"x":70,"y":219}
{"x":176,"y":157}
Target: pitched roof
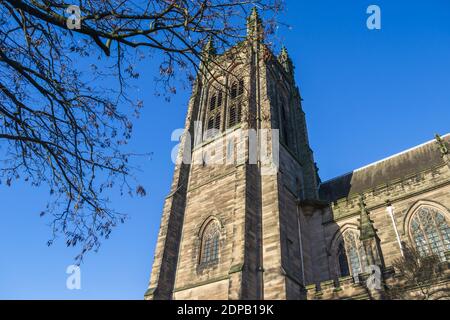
{"x":417,"y":159}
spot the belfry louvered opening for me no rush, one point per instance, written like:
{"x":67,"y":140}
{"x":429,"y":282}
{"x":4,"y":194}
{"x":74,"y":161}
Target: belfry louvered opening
{"x":213,"y":127}
{"x":213,"y":117}
{"x":234,"y":115}
{"x":237,"y":89}
{"x":216,"y":118}
{"x":215,"y":101}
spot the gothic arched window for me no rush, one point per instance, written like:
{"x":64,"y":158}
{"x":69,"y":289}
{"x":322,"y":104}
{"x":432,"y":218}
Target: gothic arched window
{"x":430,"y":232}
{"x":210,"y":243}
{"x":342,"y":260}
{"x":354,"y":253}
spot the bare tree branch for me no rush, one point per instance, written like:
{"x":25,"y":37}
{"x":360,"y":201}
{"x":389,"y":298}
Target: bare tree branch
{"x":60,"y":127}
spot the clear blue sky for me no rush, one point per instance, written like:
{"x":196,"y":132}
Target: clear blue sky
{"x":367,"y":95}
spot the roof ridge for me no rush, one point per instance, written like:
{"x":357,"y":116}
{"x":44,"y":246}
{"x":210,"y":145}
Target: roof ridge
{"x":399,"y":153}
{"x":384,"y":159}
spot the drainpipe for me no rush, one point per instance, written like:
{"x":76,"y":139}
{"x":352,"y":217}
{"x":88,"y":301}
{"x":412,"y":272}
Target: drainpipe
{"x":300,"y":242}
{"x":390,"y":211}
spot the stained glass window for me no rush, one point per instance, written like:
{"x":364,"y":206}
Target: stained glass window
{"x":354,"y":252}
{"x":430,"y":232}
{"x":343,"y":263}
{"x":210,"y":243}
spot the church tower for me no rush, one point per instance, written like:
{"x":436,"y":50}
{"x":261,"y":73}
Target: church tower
{"x":231,"y":227}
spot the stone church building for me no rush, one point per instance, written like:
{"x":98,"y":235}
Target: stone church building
{"x":247,"y":220}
